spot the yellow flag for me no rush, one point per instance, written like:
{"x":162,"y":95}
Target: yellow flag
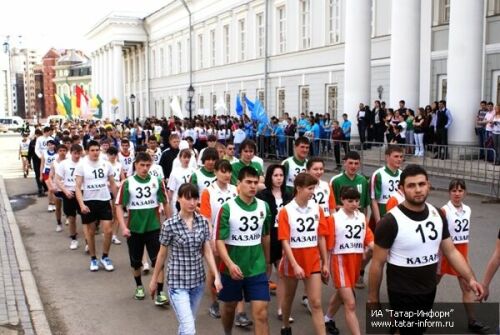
{"x":60,"y":106}
{"x":74,"y":108}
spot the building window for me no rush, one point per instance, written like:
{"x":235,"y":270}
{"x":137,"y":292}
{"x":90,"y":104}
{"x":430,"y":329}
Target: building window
{"x":212,"y":47}
{"x":280,"y":101}
{"x":442,"y":87}
{"x":200,"y":51}
{"x":213,"y":102}
{"x":305,"y":24}
{"x":281,"y":29}
{"x":225,"y":32}
{"x":260,"y":34}
{"x":260,"y":95}
{"x":227,"y":100}
{"x":162,"y":62}
{"x":242,"y":35}
{"x":332,"y":100}
{"x":201,"y":101}
{"x":444,"y":12}
{"x":179,"y":57}
{"x":334,"y":21}
{"x":304,"y":99}
{"x":170,"y":72}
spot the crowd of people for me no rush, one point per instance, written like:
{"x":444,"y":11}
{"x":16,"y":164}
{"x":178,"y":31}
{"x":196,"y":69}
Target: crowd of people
{"x":194,"y":191}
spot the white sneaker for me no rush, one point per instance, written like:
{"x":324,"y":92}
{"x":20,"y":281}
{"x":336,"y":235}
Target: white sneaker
{"x":86,"y":248}
{"x":49,"y":208}
{"x":66,"y":222}
{"x":145,"y":267}
{"x":59,"y":228}
{"x":107,"y":264}
{"x":73,"y":245}
{"x":94,"y":265}
{"x":115,"y":240}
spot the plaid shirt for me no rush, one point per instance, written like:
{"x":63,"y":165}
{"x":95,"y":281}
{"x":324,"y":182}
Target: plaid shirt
{"x":185,"y":268}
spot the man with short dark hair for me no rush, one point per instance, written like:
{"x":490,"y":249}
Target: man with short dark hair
{"x":168,"y":155}
{"x":443,"y":123}
{"x":409,"y":239}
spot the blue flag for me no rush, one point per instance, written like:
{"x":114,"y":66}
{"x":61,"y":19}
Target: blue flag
{"x":260,"y":112}
{"x":250,"y":104}
{"x":239,"y":106}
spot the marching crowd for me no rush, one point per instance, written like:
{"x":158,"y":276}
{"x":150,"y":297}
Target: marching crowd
{"x":192,"y":191}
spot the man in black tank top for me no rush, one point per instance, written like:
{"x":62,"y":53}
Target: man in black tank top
{"x":409,"y":238}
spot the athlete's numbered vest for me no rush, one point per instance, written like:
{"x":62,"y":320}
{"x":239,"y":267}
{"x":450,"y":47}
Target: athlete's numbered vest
{"x":458,"y":222}
{"x":69,"y":174}
{"x":245,"y":227}
{"x":203,"y":181}
{"x":417,"y":242}
{"x":143,"y":195}
{"x":293,"y":170}
{"x":303,"y":224}
{"x":96,"y":176}
{"x":389,"y":184}
{"x":279,"y":206}
{"x":126,"y":161}
{"x":49,"y":159}
{"x":219,"y":197}
{"x":156,"y":171}
{"x":24,"y":147}
{"x":156,"y":156}
{"x":321,"y":196}
{"x":349,"y":232}
{"x":117,"y":169}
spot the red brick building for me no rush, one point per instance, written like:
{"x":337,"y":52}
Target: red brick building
{"x":49,"y":88}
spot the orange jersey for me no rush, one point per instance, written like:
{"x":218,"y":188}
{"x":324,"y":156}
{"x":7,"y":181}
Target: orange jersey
{"x":302,"y":227}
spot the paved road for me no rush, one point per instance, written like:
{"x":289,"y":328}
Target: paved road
{"x":80,"y":302}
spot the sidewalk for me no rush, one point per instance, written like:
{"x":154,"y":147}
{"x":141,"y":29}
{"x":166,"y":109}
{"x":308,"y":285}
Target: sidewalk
{"x":21,"y":310}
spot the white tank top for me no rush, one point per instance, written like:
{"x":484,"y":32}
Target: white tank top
{"x":321,"y":196}
{"x":417,"y":242}
{"x":203,"y":181}
{"x":245,"y":227}
{"x":117,"y":170}
{"x":49,"y":159}
{"x":126,"y":161}
{"x":156,"y":171}
{"x":156,"y":156}
{"x":95,"y":179}
{"x":143,"y":195}
{"x":458,"y":222}
{"x":389,"y":184}
{"x":219,"y":197}
{"x":66,"y":170}
{"x":304,"y":223}
{"x":349,"y":232}
{"x":293,"y":170}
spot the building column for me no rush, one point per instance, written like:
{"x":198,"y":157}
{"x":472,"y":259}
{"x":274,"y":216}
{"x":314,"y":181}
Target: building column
{"x":425,"y":51}
{"x":357,"y":72}
{"x":465,"y":56}
{"x":118,"y":78}
{"x":140,"y":95}
{"x":135,"y":79}
{"x":405,"y":53}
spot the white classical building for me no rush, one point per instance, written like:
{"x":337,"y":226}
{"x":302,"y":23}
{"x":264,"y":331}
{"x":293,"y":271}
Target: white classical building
{"x":320,"y":56}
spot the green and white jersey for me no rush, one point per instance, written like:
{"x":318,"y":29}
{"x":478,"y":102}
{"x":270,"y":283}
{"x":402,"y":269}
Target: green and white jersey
{"x":202,"y":178}
{"x":359,"y":182}
{"x":142,"y":197}
{"x":242,"y":227}
{"x":292,"y":168}
{"x":383,"y":184}
{"x":236,"y":168}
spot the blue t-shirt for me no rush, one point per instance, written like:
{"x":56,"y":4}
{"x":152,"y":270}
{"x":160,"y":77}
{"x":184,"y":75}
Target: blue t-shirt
{"x":316,"y":129}
{"x":302,"y":124}
{"x":279,"y":132}
{"x":346,"y":128}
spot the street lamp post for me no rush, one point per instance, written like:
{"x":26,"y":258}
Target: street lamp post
{"x":132,"y":103}
{"x":190,"y":92}
{"x":6,"y":50}
{"x":40,"y":99}
{"x":190,"y":43}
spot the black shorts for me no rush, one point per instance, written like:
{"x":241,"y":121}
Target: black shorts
{"x":136,"y":243}
{"x":407,"y":303}
{"x":70,"y":206}
{"x":59,"y":195}
{"x":99,"y":210}
{"x":276,"y":249}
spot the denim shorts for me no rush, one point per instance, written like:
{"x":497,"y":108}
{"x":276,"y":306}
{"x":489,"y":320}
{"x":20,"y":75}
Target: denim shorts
{"x":252,"y":288}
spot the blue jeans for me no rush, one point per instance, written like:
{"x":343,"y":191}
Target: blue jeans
{"x":185,"y":303}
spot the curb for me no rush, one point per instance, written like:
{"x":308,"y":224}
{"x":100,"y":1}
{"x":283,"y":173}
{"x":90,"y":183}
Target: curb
{"x":35,"y":305}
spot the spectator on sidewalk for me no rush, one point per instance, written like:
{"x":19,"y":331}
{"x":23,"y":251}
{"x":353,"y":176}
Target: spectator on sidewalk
{"x":419,"y":130}
{"x":337,"y":137}
{"x":481,"y":127}
{"x":346,"y":129}
{"x":362,"y":122}
{"x":495,"y":131}
{"x":443,"y":123}
{"x":378,"y":122}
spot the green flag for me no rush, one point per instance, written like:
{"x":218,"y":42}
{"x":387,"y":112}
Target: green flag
{"x":99,"y":107}
{"x":67,"y":106}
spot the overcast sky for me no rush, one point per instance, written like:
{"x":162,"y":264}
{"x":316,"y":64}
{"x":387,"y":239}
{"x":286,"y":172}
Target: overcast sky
{"x":62,"y":23}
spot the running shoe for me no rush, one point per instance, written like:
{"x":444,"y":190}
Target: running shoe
{"x":145,"y":268}
{"x":360,"y":283}
{"x":59,"y":228}
{"x":214,"y":310}
{"x":107,"y":264}
{"x":272,"y":285}
{"x":86,"y":248}
{"x":242,"y":320}
{"x":478,"y":327}
{"x":286,"y":331}
{"x":139,"y":293}
{"x":331,"y":328}
{"x":73,"y":245}
{"x":94,"y":265}
{"x":66,"y":222}
{"x":115,"y":240}
{"x":51,"y":208}
{"x":161,"y":299}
